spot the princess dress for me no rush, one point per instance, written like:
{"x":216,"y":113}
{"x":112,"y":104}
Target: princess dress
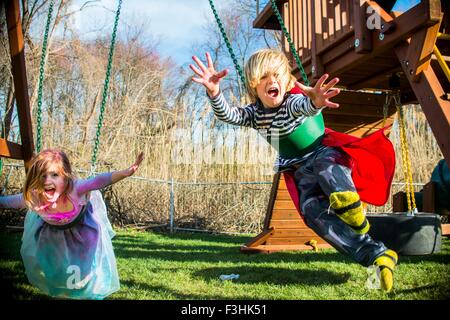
{"x":71,"y":260}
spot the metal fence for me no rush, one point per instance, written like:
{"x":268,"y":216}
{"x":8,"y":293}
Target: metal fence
{"x":144,"y":203}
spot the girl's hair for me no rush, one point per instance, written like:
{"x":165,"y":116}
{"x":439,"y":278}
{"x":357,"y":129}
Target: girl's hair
{"x":34,"y":183}
{"x":267,"y":62}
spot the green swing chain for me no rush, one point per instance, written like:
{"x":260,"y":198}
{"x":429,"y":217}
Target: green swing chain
{"x":41,"y":79}
{"x":285,"y":32}
{"x":227,"y":42}
{"x":105,"y":92}
{"x":291,"y":44}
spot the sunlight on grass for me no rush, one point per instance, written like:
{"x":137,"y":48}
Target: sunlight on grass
{"x":188,"y":265}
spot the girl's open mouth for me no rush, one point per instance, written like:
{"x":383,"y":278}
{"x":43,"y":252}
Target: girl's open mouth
{"x":50,"y":192}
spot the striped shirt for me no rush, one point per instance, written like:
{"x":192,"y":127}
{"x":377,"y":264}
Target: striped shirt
{"x":269,"y":122}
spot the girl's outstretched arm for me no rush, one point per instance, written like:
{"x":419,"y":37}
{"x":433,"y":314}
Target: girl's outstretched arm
{"x":15,"y":201}
{"x":108,"y":178}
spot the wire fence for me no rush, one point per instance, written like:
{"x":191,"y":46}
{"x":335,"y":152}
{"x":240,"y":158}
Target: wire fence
{"x":144,"y":203}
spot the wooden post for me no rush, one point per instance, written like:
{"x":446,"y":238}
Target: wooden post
{"x":363,"y":40}
{"x":420,"y":49}
{"x":16,"y":49}
{"x":429,"y":197}
{"x":316,"y":28}
{"x":430,"y":95}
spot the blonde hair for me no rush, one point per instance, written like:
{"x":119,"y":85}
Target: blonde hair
{"x":265,"y":62}
{"x":34,"y":184}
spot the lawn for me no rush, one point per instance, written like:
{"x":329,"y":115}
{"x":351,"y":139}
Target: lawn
{"x":161,"y":266}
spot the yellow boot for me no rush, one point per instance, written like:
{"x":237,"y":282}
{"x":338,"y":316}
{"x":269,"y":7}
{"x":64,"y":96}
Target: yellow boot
{"x":348,"y":208}
{"x":386,"y":263}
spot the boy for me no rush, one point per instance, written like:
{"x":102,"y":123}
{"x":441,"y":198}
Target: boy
{"x":329,"y":200}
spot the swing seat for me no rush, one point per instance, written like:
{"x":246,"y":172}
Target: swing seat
{"x":408,"y":235}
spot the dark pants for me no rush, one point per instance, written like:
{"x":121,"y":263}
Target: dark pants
{"x":326,"y":171}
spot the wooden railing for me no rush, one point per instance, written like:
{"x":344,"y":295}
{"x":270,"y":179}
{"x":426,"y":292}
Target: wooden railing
{"x":316,"y":25}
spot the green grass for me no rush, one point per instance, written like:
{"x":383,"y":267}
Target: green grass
{"x":188,"y":265}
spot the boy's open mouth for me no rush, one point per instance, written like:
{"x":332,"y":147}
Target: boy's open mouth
{"x":273,"y":92}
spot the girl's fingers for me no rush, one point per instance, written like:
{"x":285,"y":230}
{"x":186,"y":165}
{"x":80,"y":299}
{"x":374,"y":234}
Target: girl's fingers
{"x":199,"y":63}
{"x":140,"y":158}
{"x":196,"y":70}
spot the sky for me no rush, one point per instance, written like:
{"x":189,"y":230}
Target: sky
{"x":402,"y":5}
{"x":176,"y":24}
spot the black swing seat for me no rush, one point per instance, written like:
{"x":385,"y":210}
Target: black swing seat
{"x":408,"y":235}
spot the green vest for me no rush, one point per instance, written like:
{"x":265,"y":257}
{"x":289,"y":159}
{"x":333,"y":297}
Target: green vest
{"x":302,"y":140}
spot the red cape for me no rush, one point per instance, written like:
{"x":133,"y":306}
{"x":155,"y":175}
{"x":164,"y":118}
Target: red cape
{"x":373,"y":165}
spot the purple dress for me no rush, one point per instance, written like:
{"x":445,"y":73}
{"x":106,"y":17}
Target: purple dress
{"x":70,"y":254}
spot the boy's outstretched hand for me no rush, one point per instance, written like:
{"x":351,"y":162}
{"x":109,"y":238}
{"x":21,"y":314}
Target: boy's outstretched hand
{"x":208,"y":76}
{"x":131,"y":170}
{"x":320,"y":94}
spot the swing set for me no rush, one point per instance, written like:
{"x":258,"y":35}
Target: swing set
{"x":398,"y":62}
{"x":405,"y":57}
{"x":26,"y":150}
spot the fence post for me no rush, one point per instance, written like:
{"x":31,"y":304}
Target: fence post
{"x":172,"y":205}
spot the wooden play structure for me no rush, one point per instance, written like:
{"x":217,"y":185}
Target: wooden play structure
{"x":10,"y":149}
{"x":376,"y":51}
{"x":24,"y":151}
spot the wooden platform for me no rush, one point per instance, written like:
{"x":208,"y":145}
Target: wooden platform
{"x":284,"y":229}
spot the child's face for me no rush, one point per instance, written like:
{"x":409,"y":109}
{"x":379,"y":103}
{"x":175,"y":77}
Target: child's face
{"x":54,"y":183}
{"x":270,"y":91}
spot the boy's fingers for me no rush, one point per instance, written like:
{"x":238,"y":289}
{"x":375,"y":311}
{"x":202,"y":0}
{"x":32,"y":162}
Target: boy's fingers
{"x":301,"y":86}
{"x":222,"y":73}
{"x":331,"y":84}
{"x":198,"y":80}
{"x":321,"y":81}
{"x":333,"y":105}
{"x":331,"y":93}
{"x":196,"y":70}
{"x":208,"y":58}
{"x":199,"y":63}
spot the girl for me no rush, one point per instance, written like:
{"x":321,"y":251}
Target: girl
{"x":66,"y":245}
{"x":324,"y":171}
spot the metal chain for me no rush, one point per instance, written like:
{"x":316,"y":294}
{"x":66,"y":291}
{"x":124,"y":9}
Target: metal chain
{"x":105,"y":92}
{"x":291,"y":44}
{"x":41,"y":79}
{"x":386,"y":108}
{"x":227,"y":42}
{"x":410,"y":197}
